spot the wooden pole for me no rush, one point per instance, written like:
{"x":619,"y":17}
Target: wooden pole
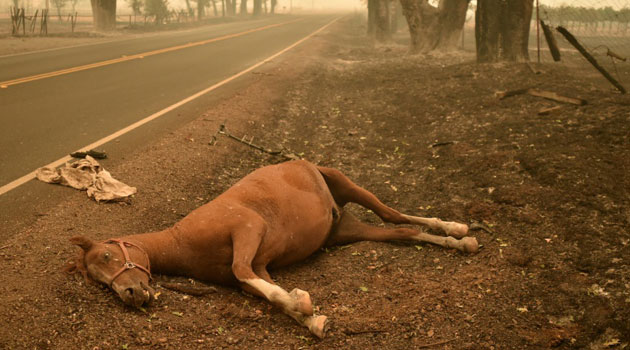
{"x":551,"y":41}
{"x":590,"y":58}
{"x":538,"y":30}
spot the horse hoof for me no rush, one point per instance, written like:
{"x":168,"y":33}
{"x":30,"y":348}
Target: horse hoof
{"x":318,"y":326}
{"x":469,"y":245}
{"x":456,"y":230}
{"x":303,"y":302}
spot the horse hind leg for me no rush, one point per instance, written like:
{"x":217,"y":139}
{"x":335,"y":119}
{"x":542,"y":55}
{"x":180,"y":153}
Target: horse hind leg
{"x":349,"y":230}
{"x":344,"y":191}
{"x":296,"y":304}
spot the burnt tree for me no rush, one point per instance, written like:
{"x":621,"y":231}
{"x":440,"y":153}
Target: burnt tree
{"x":257,"y":7}
{"x":434,"y":28}
{"x":104,"y":14}
{"x":379,"y":19}
{"x":502,"y":30}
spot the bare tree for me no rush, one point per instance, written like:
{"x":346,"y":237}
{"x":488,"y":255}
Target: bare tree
{"x":230,"y":7}
{"x":156,"y":8}
{"x":74,"y":3}
{"x":104,"y":14}
{"x":379,"y":19}
{"x":59,"y":4}
{"x":434,"y":28}
{"x":189,"y":8}
{"x":502,"y":30}
{"x":136,"y":6}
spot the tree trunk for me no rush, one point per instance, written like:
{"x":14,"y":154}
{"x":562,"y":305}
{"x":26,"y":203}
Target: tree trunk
{"x":273,"y":6}
{"x":382,"y":28}
{"x":191,"y":12}
{"x":257,"y":7}
{"x":371,"y":25}
{"x":434,"y":28}
{"x":201,"y":9}
{"x":396,"y":13}
{"x":228,"y":5}
{"x":265,"y":5}
{"x":214,"y":8}
{"x":104,"y":14}
{"x":502,"y":30}
{"x":243,"y":7}
{"x":451,"y":22}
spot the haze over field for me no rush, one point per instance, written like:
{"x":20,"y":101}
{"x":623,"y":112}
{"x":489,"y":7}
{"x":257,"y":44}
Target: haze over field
{"x":318,"y":5}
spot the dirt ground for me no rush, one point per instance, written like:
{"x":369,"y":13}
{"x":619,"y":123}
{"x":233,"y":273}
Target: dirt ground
{"x":428,"y":136}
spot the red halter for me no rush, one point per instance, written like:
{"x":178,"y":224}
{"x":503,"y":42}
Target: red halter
{"x":128,"y":265}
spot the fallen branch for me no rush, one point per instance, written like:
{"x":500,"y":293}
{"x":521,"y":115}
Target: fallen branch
{"x":363,"y":331}
{"x":541,"y":93}
{"x":509,"y":93}
{"x":424,"y":346}
{"x":555,"y":97}
{"x":187,"y":289}
{"x":549,"y":110}
{"x":571,"y":39}
{"x":223,"y":131}
{"x":445,"y":143}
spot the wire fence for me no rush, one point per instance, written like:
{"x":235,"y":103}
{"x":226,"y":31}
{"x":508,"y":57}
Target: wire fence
{"x":602,"y":27}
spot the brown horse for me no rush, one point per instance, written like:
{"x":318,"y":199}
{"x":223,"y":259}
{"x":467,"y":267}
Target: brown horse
{"x":273,"y":217}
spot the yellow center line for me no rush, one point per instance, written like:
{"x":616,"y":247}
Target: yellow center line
{"x":6,"y":84}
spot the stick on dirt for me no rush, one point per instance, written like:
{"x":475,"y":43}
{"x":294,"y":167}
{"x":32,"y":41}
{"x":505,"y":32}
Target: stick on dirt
{"x":541,"y":93}
{"x":549,"y":110}
{"x":571,"y":39}
{"x":424,"y":346}
{"x":555,"y":97}
{"x":223,"y":131}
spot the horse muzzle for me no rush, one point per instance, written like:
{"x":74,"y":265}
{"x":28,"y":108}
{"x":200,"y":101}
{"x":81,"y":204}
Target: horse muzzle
{"x":136,"y":295}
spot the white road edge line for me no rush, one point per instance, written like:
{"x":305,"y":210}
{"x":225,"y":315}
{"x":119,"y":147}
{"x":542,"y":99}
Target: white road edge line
{"x":24,"y":179}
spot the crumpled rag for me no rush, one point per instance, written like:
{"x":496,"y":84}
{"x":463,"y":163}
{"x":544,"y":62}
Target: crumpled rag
{"x":87,"y":174}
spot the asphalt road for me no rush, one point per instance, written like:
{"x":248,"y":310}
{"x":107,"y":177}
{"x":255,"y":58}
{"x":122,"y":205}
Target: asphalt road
{"x":44,"y":119}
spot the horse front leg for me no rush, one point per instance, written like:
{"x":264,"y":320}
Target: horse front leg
{"x":296,"y":304}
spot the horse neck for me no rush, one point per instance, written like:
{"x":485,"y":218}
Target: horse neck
{"x":162,"y":249}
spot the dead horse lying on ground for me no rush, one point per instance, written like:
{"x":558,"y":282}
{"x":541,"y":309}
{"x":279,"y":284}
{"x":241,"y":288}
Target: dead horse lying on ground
{"x":273,"y":217}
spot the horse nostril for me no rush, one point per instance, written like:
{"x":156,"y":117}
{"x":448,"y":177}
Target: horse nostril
{"x":129,"y":291}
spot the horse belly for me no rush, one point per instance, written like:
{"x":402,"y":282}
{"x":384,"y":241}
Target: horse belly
{"x":302,"y":240}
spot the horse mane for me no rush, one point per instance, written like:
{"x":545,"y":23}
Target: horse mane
{"x":77,"y":265}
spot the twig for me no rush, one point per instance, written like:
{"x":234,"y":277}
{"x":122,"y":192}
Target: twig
{"x":364,"y":331}
{"x":445,"y":143}
{"x":223,"y":131}
{"x":434,"y":344}
{"x":186,"y":289}
{"x":5,"y":246}
{"x":549,"y":110}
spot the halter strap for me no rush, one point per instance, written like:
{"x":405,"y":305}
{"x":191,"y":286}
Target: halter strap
{"x":128,"y":265}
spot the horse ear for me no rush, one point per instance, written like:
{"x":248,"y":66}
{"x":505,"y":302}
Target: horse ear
{"x":82,"y":241}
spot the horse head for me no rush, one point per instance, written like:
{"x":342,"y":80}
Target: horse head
{"x":121,"y":265}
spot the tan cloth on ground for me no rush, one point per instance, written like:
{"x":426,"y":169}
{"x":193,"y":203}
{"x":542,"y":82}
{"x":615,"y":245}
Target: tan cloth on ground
{"x":87,"y":174}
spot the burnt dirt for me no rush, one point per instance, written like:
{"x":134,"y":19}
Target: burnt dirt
{"x":549,"y":195}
